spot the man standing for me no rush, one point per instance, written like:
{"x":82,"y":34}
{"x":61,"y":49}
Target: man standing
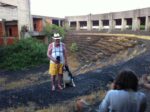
{"x":57,"y":55}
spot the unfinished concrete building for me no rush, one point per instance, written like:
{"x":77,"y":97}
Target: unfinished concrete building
{"x":16,"y":13}
{"x":135,"y":20}
{"x":13,"y":15}
{"x":40,"y":21}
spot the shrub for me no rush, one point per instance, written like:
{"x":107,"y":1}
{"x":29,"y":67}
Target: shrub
{"x":66,"y":28}
{"x":23,"y":54}
{"x":1,"y":41}
{"x":74,"y":47}
{"x":142,"y":27}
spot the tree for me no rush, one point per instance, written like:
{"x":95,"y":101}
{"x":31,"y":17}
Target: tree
{"x":50,"y":29}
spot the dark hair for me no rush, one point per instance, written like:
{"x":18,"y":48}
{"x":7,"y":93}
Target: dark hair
{"x":126,"y":80}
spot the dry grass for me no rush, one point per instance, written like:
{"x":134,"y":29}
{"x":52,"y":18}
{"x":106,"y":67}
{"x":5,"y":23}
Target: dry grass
{"x":67,"y":106}
{"x":29,"y":80}
{"x":21,"y":84}
{"x":17,"y":84}
{"x":94,"y":97}
{"x":2,"y":81}
{"x":30,"y":108}
{"x":73,"y":62}
{"x":70,"y":106}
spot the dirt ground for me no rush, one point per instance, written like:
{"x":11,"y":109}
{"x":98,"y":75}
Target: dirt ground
{"x":41,"y":94}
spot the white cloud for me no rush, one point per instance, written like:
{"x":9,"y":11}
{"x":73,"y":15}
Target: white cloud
{"x":62,"y":8}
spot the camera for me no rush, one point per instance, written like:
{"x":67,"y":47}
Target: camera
{"x":58,"y":59}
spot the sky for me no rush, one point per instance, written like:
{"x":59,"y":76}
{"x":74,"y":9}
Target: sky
{"x":62,"y":8}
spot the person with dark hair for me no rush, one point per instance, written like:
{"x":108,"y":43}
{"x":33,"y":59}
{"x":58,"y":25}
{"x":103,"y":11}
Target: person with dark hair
{"x":124,"y":97}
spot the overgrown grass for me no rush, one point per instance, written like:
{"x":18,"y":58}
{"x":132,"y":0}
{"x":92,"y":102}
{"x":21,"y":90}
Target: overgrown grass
{"x":23,"y":54}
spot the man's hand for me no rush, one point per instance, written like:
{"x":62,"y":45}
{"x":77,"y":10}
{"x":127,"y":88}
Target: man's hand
{"x":66,"y":64}
{"x":143,"y":80}
{"x":54,"y":60}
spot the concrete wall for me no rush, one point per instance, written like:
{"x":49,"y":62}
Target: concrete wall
{"x":10,"y":2}
{"x":8,"y":13}
{"x":17,"y":10}
{"x":24,"y":15}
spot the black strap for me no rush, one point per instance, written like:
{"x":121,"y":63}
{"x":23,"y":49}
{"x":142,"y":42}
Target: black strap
{"x":69,"y":73}
{"x":55,"y":49}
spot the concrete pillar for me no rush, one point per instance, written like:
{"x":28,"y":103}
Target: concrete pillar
{"x":89,"y":23}
{"x":43,"y":22}
{"x":3,"y":27}
{"x":123,"y":24}
{"x":4,"y":31}
{"x":24,"y":15}
{"x":135,"y":24}
{"x":111,"y":24}
{"x":68,"y":23}
{"x":30,"y":16}
{"x":59,"y":23}
{"x":78,"y":25}
{"x":100,"y":25}
{"x":147,"y":23}
{"x":63,"y":23}
{"x":31,"y":28}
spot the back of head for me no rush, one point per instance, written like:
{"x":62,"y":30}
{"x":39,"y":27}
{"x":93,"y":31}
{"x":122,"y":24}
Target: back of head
{"x":126,"y":80}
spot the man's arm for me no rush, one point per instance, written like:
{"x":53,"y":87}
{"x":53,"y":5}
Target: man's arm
{"x":49,"y":52}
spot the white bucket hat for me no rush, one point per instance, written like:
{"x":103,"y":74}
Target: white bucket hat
{"x":56,"y":36}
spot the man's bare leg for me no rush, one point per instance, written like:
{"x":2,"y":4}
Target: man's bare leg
{"x":60,"y":76}
{"x":53,"y":82}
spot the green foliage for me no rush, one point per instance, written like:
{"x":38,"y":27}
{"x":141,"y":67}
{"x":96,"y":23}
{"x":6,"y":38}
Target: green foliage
{"x":130,"y":27}
{"x":74,"y":47}
{"x":23,"y":54}
{"x":49,"y":30}
{"x":142,"y":27}
{"x":66,"y":28}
